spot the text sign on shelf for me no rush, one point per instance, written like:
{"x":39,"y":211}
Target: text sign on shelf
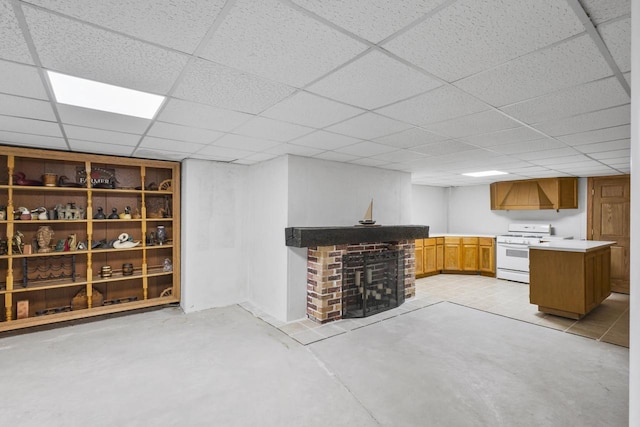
{"x":99,"y":176}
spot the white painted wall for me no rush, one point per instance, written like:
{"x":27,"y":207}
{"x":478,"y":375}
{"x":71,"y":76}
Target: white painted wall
{"x":213,"y":259}
{"x":325,"y":193}
{"x":470,"y":212}
{"x":430,"y":207}
{"x":634,"y":333}
{"x":265,"y":259}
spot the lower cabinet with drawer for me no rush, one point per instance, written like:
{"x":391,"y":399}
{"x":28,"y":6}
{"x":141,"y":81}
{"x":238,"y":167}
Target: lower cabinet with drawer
{"x":455,"y":254}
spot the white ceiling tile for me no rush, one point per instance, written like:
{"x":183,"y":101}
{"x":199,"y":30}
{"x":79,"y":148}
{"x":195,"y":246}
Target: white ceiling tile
{"x":260,"y":127}
{"x":172,"y":145}
{"x":590,"y":121}
{"x":311,"y":110}
{"x":544,"y":71}
{"x":102,"y":119}
{"x":259,"y":157}
{"x":70,"y":47}
{"x":599,"y":147}
{"x":546,"y":154}
{"x":617,"y":37}
{"x":369,"y":161}
{"x":366,"y":149}
{"x":473,"y":124}
{"x":183,"y":133}
{"x":21,"y":80}
{"x":272,"y":40}
{"x":201,"y":116}
{"x":221,"y":153}
{"x":146,"y":153}
{"x":399,"y":156}
{"x":559,"y":161}
{"x":179,"y":24}
{"x":325,"y":140}
{"x":30,"y":140}
{"x":336,"y":157}
{"x":368,"y":126}
{"x":225,"y":87}
{"x":37,"y":127}
{"x":26,"y":107}
{"x":600,"y":135}
{"x":443,"y":103}
{"x":575,"y":100}
{"x":490,"y":139}
{"x":600,"y":11}
{"x":245,"y":143}
{"x":365,"y":82}
{"x":373,"y":20}
{"x":444,"y":147}
{"x":410,"y":138}
{"x":12,"y":44}
{"x":611,"y":154}
{"x":528,"y":146}
{"x":101,"y":135}
{"x":473,"y":35}
{"x":296,"y":150}
{"x":100,"y":148}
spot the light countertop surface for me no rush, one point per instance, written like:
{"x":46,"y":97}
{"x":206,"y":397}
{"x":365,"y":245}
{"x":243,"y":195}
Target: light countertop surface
{"x":572,"y":245}
{"x":493,"y":236}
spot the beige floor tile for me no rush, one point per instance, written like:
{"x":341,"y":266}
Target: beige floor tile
{"x":619,"y":332}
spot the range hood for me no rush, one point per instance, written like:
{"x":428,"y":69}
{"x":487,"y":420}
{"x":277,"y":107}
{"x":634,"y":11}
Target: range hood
{"x":530,"y":194}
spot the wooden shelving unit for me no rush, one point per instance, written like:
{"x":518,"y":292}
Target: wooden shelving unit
{"x":150,"y":188}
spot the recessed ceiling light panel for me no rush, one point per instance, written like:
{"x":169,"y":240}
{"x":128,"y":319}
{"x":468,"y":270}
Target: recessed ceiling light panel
{"x":484,"y":173}
{"x":104,"y":97}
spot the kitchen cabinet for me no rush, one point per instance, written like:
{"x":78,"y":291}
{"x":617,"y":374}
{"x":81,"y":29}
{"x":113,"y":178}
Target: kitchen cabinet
{"x":469,"y":251}
{"x":452,"y":253}
{"x":487,"y":255}
{"x":439,"y":253}
{"x":570,"y":283}
{"x":533,"y":194}
{"x":419,"y":256}
{"x":86,"y":235}
{"x":430,"y":256}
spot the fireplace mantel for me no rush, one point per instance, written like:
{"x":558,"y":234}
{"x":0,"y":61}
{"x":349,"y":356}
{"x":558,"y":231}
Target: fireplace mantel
{"x":304,"y":237}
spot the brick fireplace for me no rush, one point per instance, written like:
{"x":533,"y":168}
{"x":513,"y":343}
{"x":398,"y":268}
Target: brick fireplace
{"x":326,"y":293}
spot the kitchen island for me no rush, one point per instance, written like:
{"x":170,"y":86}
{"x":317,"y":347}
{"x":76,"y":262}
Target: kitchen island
{"x":569,"y":278}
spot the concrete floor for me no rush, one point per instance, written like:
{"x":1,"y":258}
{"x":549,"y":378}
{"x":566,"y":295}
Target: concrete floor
{"x":439,"y":365}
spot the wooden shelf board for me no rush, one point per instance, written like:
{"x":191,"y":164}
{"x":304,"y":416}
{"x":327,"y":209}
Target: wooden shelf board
{"x":54,"y":189}
{"x":49,"y":221}
{"x":89,"y":312}
{"x":45,"y":284}
{"x":114,"y":221}
{"x":49,"y":254}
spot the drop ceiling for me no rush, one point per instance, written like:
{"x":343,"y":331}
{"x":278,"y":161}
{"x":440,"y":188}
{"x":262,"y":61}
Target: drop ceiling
{"x":436,"y":88}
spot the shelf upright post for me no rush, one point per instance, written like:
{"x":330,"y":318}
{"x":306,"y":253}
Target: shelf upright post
{"x":8,"y":297}
{"x":145,"y":279}
{"x":89,"y":214}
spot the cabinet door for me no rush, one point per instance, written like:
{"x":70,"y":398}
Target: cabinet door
{"x":486,"y":256}
{"x":429,"y":255}
{"x":419,"y":260}
{"x":452,"y":253}
{"x":439,"y":253}
{"x":470,"y":253}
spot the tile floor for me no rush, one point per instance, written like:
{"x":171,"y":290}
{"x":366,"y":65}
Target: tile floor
{"x":608,"y":322}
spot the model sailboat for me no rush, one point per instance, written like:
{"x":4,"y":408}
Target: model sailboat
{"x":368,"y":216}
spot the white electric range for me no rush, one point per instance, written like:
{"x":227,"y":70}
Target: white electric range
{"x":512,"y":249}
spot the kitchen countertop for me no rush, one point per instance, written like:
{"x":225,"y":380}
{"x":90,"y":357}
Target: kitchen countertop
{"x":492,"y":236}
{"x":572,"y":245}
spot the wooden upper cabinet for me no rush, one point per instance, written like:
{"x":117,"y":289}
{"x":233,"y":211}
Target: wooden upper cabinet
{"x":530,"y":194}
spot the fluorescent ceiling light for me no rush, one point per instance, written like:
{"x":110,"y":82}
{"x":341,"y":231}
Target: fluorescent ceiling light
{"x":101,"y":96}
{"x":484,"y":173}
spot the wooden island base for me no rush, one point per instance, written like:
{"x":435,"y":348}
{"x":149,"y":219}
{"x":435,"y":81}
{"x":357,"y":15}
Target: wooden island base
{"x":569,"y":283}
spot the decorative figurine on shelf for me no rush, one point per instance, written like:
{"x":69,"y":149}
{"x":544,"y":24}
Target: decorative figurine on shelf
{"x":126,"y":214}
{"x":3,"y":247}
{"x":136,"y":215}
{"x":100,"y":214}
{"x":167,"y":266}
{"x":161,"y":234}
{"x":70,"y":211}
{"x":114,"y":214}
{"x":22,"y":213}
{"x":3,"y":212}
{"x":82,"y":246}
{"x":40,"y":213}
{"x":60,"y":245}
{"x":20,"y":178}
{"x":125,"y":241}
{"x":18,"y":241}
{"x":72,"y":244}
{"x":43,"y":236}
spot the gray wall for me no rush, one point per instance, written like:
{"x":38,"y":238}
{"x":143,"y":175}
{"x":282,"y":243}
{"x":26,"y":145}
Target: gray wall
{"x":430,"y":207}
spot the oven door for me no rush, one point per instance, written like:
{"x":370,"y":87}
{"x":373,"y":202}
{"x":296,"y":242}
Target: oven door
{"x":512,"y":257}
